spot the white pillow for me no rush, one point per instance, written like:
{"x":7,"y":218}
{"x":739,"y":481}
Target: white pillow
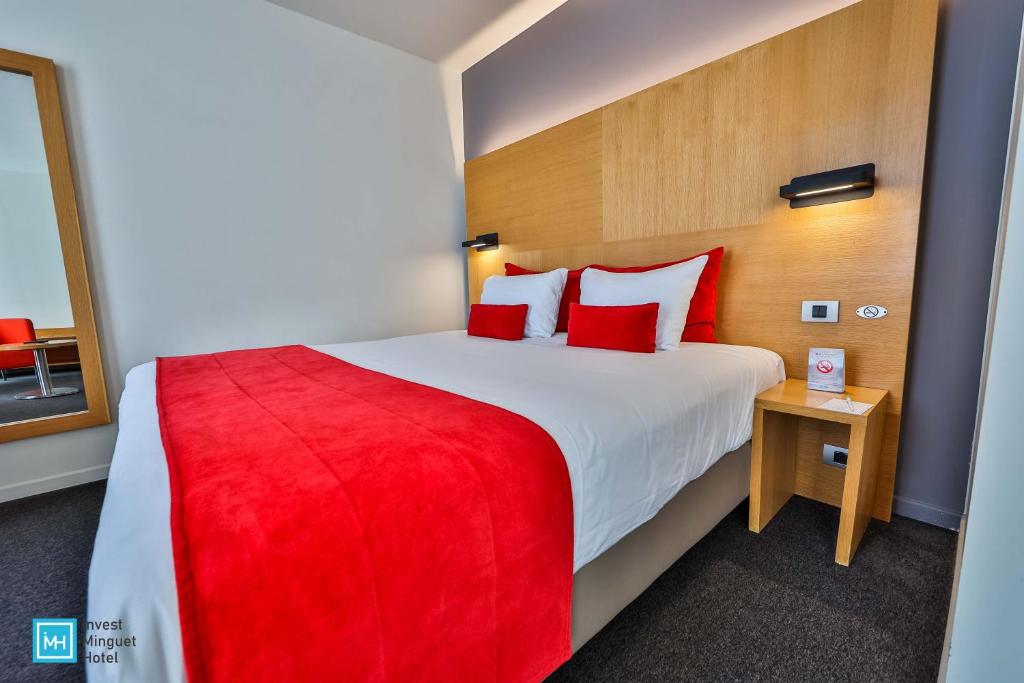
{"x":671,"y":287}
{"x":541,"y":292}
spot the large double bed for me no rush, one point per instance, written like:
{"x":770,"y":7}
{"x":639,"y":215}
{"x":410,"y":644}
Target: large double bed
{"x":655,"y":446}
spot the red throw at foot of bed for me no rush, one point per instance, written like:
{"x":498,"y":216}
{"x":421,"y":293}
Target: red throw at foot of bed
{"x":332,"y":523}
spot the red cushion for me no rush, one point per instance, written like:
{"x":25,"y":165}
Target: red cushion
{"x":570,"y":295}
{"x":497,"y":321}
{"x":619,"y":328}
{"x":700,"y":320}
{"x":13,"y":331}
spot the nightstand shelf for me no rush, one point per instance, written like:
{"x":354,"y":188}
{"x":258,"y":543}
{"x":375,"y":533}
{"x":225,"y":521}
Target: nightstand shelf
{"x":777,"y":415}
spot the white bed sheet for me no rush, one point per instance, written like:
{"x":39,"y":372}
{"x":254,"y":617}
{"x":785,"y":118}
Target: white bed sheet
{"x":633,"y":428}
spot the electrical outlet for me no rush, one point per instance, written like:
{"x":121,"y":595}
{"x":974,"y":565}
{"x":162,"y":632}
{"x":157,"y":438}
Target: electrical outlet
{"x":834,"y":455}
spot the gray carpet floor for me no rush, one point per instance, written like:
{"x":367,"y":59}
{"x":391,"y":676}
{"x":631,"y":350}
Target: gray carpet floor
{"x":737,"y":607}
{"x":774,"y":606}
{"x":13,"y":410}
{"x":45,"y":548}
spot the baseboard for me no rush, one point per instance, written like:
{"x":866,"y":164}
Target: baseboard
{"x":55,"y":482}
{"x":927,"y":513}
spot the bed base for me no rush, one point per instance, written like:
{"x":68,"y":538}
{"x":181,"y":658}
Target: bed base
{"x":606,"y":585}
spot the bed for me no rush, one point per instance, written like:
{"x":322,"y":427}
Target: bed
{"x":655,"y":447}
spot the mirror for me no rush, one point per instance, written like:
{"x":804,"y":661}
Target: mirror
{"x":51,"y":378}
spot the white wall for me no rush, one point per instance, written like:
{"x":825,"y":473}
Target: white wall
{"x":32,"y":281}
{"x":987,"y":634}
{"x":248,"y":176}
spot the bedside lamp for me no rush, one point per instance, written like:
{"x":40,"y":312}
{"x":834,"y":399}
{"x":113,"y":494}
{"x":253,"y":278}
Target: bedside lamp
{"x":841,"y":185}
{"x":487,"y":242}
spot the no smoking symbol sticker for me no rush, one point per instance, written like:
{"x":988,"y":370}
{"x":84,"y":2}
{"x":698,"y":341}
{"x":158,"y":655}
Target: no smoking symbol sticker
{"x":872,"y":311}
{"x":825,"y":366}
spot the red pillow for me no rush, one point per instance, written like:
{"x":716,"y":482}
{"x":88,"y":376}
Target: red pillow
{"x":619,"y":328}
{"x":497,"y":321}
{"x":700,"y":320}
{"x":570,"y":295}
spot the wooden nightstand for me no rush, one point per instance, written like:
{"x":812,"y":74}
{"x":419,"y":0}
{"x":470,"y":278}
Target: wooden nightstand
{"x":777,"y":413}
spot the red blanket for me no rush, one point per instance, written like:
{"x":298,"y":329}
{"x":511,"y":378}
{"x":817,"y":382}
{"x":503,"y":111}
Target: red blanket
{"x":332,"y":523}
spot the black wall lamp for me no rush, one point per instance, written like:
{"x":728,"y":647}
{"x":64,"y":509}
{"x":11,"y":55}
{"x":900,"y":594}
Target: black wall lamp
{"x":842,"y":185}
{"x":483,"y":242}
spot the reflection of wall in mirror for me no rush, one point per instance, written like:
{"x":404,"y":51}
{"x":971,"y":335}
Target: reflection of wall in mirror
{"x":32,"y":280}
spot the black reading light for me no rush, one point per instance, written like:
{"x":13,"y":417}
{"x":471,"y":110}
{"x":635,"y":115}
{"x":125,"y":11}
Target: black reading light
{"x":483,"y":242}
{"x":856,"y":182}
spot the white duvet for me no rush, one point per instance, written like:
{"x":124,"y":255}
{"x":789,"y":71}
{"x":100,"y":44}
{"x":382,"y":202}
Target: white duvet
{"x":633,"y":428}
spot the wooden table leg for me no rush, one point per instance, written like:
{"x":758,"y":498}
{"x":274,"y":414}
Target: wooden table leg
{"x":859,"y":484}
{"x":772,"y":465}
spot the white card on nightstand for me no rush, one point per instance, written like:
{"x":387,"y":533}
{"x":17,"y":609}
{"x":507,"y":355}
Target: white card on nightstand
{"x":841,"y":405}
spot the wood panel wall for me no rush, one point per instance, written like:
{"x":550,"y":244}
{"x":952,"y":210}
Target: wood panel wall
{"x":696,"y":162}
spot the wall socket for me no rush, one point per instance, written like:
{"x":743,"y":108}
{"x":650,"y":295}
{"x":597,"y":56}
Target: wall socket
{"x":834,"y":455}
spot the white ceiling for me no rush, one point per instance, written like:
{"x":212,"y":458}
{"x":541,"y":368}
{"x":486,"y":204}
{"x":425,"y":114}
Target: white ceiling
{"x":432,"y":29}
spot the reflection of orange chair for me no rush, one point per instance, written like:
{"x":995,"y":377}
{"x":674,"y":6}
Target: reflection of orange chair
{"x":13,"y":331}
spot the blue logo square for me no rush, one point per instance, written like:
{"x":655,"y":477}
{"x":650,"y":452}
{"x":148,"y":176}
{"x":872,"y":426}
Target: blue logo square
{"x":54,"y":641}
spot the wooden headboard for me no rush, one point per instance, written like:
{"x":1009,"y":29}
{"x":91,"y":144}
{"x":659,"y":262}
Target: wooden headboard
{"x":696,"y":162}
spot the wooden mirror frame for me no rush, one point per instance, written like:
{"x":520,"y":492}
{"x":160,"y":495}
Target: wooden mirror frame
{"x":51,"y":119}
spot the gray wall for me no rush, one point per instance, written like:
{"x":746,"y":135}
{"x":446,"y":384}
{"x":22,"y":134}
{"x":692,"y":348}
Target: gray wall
{"x":588,"y":53}
{"x":977,"y":66}
{"x":591,"y":52}
{"x":986,"y":632}
{"x":248,"y":176}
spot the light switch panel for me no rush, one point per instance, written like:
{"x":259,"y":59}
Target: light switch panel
{"x":819,"y":312}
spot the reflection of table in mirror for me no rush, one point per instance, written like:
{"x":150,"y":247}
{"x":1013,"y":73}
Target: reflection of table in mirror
{"x":38,"y":349}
